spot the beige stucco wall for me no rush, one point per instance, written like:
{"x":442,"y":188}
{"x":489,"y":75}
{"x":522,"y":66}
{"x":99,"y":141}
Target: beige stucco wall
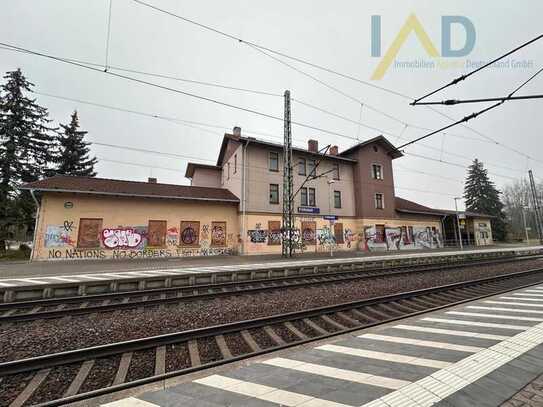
{"x":355,"y":236}
{"x":206,"y":177}
{"x":57,"y":231}
{"x":260,"y":177}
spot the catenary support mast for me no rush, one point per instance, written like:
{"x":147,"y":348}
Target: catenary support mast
{"x":288,"y":221}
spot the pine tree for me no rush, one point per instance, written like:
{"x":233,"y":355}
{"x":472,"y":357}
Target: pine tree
{"x":74,"y":151}
{"x":26,"y":150}
{"x":482,"y":196}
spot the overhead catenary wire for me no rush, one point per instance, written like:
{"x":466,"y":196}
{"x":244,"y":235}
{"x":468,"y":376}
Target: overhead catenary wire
{"x":465,"y":76}
{"x":325,"y":69}
{"x":474,"y":115}
{"x":247,"y":90}
{"x":450,"y":102}
{"x":198,"y":124}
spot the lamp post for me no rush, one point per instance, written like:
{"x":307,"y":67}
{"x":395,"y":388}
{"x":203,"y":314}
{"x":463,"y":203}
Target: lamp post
{"x":458,"y":223}
{"x":330,"y":182}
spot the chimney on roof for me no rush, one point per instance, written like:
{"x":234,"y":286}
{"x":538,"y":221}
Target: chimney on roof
{"x":151,"y":180}
{"x":313,"y":146}
{"x":333,"y":150}
{"x":236,"y":132}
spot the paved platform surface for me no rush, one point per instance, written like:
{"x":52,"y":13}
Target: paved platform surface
{"x":77,"y":272}
{"x":486,"y":353}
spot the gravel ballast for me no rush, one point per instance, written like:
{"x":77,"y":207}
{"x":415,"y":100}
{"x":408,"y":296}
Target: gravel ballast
{"x":28,"y":339}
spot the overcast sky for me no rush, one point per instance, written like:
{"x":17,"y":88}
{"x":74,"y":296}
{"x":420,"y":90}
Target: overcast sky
{"x":333,"y":34}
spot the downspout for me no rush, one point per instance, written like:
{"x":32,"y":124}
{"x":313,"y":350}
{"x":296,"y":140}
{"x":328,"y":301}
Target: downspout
{"x":442,"y":221}
{"x":244,"y":198}
{"x":36,"y":222}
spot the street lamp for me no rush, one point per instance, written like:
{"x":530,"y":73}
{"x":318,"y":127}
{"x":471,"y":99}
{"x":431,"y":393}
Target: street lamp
{"x":458,"y":223}
{"x":330,"y":182}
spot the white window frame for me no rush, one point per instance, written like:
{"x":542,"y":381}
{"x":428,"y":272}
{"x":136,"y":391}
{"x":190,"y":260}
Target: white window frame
{"x":382,"y":200}
{"x":381,"y":171}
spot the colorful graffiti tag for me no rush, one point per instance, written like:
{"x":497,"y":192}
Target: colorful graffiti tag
{"x":57,"y":236}
{"x":121,"y":238}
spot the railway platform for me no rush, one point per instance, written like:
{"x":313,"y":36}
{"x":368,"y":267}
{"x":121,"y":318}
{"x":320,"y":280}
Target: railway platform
{"x":80,"y":279}
{"x":486,"y":352}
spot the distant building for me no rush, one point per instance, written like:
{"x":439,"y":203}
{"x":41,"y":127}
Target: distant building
{"x":235,"y":206}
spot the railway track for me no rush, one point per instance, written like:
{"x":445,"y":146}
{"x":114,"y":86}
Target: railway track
{"x":76,"y":375}
{"x":70,"y":306}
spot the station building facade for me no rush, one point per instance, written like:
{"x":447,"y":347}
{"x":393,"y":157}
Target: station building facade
{"x":235,"y":207}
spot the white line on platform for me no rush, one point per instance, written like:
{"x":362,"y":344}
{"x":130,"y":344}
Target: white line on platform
{"x":31,"y":280}
{"x":535,"y":290}
{"x":266,"y":393}
{"x":443,"y":383}
{"x":496,"y":316}
{"x":466,"y":334}
{"x":90,"y":277}
{"x":129,"y":402}
{"x":528,"y":311}
{"x":518,"y":304}
{"x":418,"y":342}
{"x":480,"y":324}
{"x":2,"y":284}
{"x":390,"y":357}
{"x":341,"y":374}
{"x":522,"y":299}
{"x":63,"y":279}
{"x":528,"y":295}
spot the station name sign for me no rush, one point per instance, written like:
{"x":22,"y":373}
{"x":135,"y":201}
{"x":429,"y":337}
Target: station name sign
{"x":305,"y":209}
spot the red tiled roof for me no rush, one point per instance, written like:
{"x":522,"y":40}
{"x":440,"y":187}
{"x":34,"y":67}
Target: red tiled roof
{"x":103,"y":186}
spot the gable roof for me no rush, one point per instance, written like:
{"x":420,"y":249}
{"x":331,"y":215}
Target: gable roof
{"x":105,"y":186}
{"x":251,"y":140}
{"x":382,"y":140}
{"x":404,"y":205}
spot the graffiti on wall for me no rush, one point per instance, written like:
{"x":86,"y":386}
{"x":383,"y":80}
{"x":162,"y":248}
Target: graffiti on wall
{"x":396,"y":238}
{"x":123,"y":238}
{"x":349,"y":237}
{"x":57,"y":236}
{"x":218,"y":234}
{"x":171,"y":236}
{"x":325,"y":237}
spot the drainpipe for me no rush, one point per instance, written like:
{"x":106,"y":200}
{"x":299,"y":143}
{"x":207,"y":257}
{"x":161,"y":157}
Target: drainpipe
{"x":244,"y":197}
{"x":38,"y":207}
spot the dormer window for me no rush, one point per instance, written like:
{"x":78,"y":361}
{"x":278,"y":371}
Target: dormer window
{"x":377,"y":171}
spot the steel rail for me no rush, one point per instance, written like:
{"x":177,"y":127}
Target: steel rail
{"x":80,"y":355}
{"x":268,"y":285}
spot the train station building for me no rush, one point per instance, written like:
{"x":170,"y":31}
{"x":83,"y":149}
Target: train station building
{"x":235,"y":207}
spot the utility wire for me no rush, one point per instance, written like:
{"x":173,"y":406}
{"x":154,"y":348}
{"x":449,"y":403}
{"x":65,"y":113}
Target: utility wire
{"x":320,"y":67}
{"x":252,"y":91}
{"x":465,"y":76}
{"x":197,"y":124}
{"x":156,"y":85}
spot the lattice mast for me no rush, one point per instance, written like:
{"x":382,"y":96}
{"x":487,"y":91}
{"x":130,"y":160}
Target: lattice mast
{"x":288,"y":221}
{"x":537,"y":207}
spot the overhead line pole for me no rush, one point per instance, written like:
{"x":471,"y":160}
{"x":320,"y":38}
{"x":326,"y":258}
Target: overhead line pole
{"x":537,"y":207}
{"x":288,"y":224}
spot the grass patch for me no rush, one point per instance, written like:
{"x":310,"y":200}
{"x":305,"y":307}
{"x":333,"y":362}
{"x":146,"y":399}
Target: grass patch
{"x":14,"y":255}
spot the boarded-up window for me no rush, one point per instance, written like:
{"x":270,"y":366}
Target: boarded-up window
{"x":338,"y":233}
{"x":274,"y":233}
{"x":218,"y":233}
{"x":309,"y":233}
{"x":410,"y":235}
{"x":156,"y":233}
{"x":89,"y":233}
{"x":379,"y":233}
{"x":190,"y":233}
